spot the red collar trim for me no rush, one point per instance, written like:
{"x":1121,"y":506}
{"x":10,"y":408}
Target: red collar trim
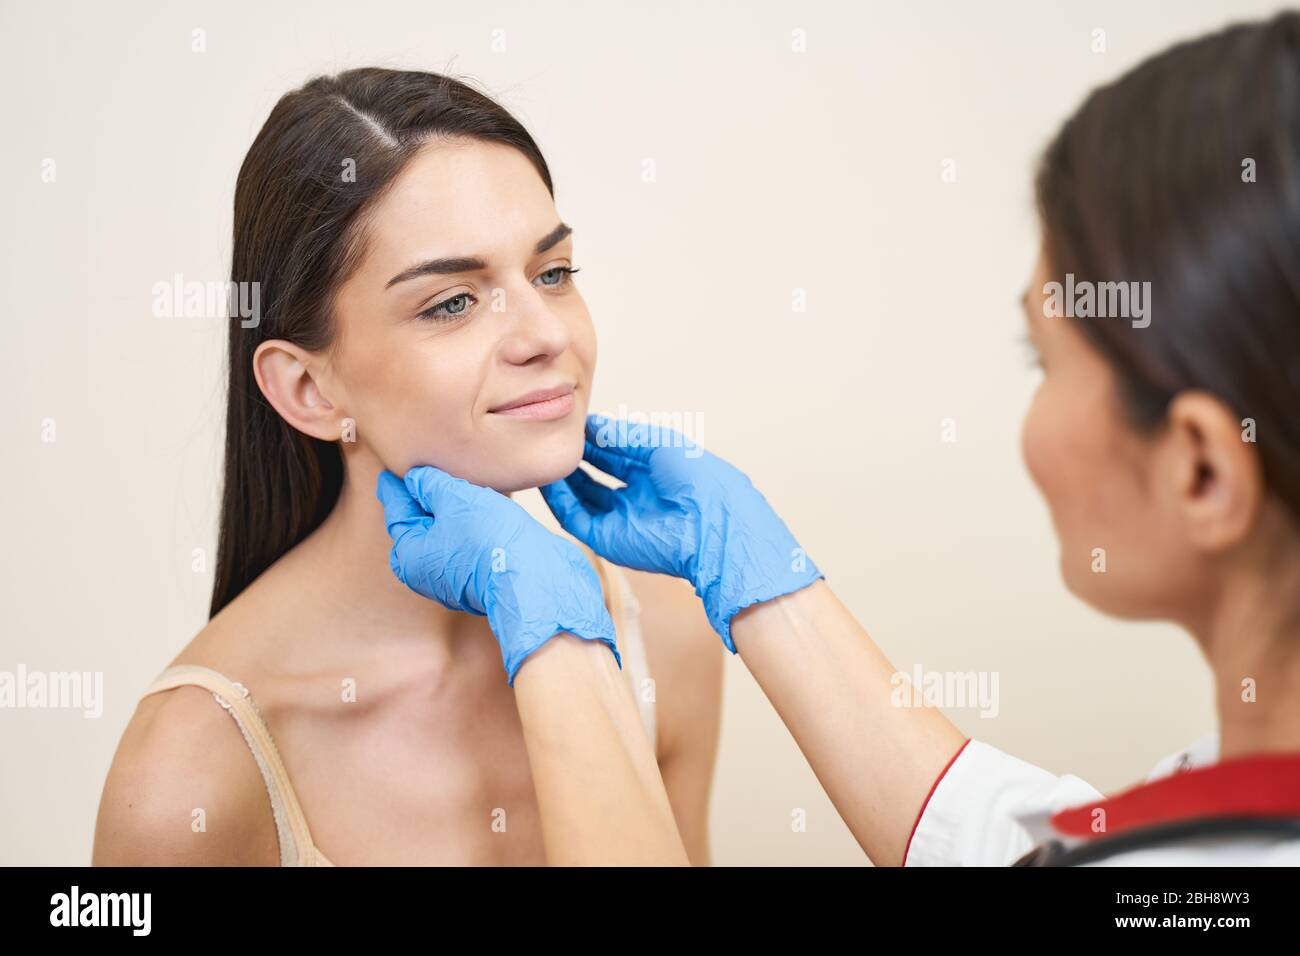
{"x":1261,"y":785}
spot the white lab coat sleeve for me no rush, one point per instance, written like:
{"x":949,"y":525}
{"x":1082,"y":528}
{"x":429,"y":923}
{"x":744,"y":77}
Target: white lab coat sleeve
{"x":989,"y":809}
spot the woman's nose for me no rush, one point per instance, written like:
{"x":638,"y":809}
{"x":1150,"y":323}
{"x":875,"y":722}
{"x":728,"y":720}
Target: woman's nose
{"x":533,"y":330}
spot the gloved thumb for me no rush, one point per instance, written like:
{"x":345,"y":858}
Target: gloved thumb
{"x":568,"y":510}
{"x":400,"y":509}
{"x":430,"y":486}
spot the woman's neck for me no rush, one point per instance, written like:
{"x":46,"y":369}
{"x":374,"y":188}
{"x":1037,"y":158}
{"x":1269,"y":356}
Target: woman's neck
{"x":347,"y":560}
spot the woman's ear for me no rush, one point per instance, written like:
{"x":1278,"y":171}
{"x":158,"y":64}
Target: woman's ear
{"x":1218,"y":479}
{"x":285,"y":375}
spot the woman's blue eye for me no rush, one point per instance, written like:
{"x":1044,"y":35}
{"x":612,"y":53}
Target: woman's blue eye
{"x":557,"y":276}
{"x":451,"y":308}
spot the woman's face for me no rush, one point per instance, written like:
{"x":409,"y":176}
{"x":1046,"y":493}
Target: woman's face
{"x":1122,"y":550}
{"x":462,"y":341}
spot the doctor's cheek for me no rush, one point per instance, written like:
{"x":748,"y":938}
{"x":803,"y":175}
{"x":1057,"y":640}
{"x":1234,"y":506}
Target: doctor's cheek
{"x":1036,"y":448}
{"x":1048,"y":459}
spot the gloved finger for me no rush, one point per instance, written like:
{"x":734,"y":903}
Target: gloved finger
{"x":400,"y":509}
{"x":404,"y":519}
{"x":568,"y":509}
{"x":612,"y":460}
{"x":635,"y":441}
{"x":610,"y":449}
{"x":591,"y":492}
{"x":430,"y":485}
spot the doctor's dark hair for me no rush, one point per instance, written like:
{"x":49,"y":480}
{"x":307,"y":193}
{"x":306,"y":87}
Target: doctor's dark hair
{"x":1185,"y":172}
{"x":299,"y":233}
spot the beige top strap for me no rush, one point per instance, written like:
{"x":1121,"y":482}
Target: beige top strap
{"x":296,"y":846}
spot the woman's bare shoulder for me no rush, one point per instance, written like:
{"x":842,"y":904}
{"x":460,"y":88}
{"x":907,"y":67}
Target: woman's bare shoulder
{"x":183,"y":787}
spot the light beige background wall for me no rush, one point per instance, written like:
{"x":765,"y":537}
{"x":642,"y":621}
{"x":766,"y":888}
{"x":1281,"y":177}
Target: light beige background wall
{"x":776,"y":171}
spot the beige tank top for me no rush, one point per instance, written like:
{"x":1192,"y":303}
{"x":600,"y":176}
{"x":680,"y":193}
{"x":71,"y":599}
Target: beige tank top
{"x":296,"y":845}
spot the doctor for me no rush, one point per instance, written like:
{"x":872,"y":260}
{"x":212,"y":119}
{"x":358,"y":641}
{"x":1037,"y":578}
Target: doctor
{"x":1169,"y":430}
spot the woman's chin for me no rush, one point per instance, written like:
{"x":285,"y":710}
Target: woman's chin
{"x":514,"y":465}
{"x":549,"y":462}
{"x":535,"y":478}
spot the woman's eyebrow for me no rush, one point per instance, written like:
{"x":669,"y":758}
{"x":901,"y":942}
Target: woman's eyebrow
{"x":454,"y":264}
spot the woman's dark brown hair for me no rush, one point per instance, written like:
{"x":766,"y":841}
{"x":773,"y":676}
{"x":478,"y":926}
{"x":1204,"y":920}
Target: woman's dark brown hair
{"x":1185,"y":173}
{"x":324,"y":154}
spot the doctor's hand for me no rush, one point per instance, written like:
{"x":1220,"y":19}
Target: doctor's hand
{"x":473,"y":549}
{"x":683,"y":512}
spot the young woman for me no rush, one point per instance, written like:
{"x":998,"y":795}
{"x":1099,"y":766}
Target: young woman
{"x":1166,"y":434}
{"x":417,"y":307}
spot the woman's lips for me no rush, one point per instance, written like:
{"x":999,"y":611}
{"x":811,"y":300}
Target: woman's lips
{"x":540,"y":406}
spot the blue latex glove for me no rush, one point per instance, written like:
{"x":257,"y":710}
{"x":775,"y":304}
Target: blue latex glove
{"x":473,"y":549}
{"x":683,"y":512}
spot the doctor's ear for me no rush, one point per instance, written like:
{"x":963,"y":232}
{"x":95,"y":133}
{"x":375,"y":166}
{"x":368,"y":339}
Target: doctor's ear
{"x":1217,"y":476}
{"x":289,"y":377}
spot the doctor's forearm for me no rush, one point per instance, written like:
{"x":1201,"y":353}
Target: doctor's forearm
{"x":831,"y":685}
{"x":601,"y":798}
